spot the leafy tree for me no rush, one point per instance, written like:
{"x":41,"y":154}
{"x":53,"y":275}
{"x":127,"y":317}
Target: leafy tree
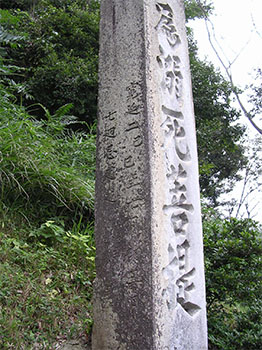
{"x":193,"y":10}
{"x":47,"y":247}
{"x":60,"y":55}
{"x":255,"y":96}
{"x":14,"y":4}
{"x":46,"y":169}
{"x":199,"y":7}
{"x":221,"y":155}
{"x":233,"y":264}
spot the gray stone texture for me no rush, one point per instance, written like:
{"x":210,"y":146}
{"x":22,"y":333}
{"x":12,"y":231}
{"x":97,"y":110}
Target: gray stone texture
{"x":149,"y":290}
{"x":75,"y":345}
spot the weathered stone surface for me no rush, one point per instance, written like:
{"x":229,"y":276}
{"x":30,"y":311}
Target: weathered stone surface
{"x":149,"y":291}
{"x":75,"y":345}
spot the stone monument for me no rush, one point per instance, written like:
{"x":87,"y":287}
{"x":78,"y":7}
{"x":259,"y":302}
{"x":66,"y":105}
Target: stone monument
{"x":149,"y":290}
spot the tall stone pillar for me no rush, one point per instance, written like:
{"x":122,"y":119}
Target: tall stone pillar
{"x":149,"y":290}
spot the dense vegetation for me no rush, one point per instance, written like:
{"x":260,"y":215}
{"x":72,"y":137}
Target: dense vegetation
{"x":233,"y":281}
{"x":48,"y":89}
{"x":47,"y":248}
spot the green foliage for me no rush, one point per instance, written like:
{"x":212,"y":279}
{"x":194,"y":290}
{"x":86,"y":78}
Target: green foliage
{"x":6,"y":38}
{"x":14,"y":4}
{"x":220,"y":153}
{"x":60,"y":55}
{"x":44,"y":168}
{"x":47,"y":182}
{"x":197,"y":8}
{"x":233,"y":250}
{"x":46,"y":236}
{"x":45,"y":289}
{"x":255,"y":96}
{"x":67,"y":80}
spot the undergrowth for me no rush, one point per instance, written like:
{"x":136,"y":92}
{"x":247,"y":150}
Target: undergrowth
{"x":46,"y":279}
{"x":45,"y":168}
{"x":46,"y":228}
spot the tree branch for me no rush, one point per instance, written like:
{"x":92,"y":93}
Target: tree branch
{"x":229,"y":75}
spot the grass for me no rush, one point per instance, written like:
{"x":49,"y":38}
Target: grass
{"x":45,"y":286}
{"x":46,"y":230}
